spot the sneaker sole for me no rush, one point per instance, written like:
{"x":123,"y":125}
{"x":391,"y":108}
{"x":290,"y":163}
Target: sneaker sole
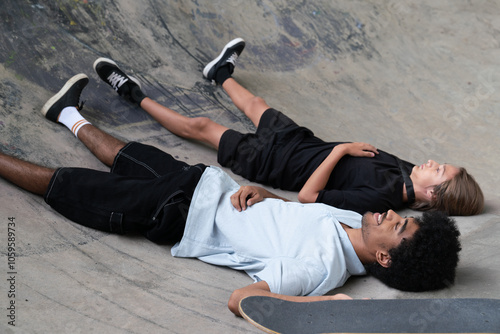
{"x":63,"y":91}
{"x":209,"y":66}
{"x":109,"y":61}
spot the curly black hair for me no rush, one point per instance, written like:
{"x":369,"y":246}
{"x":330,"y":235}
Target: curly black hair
{"x":428,"y":260}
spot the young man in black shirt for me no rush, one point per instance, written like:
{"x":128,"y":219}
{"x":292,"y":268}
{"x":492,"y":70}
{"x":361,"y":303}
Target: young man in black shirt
{"x":353,"y":176}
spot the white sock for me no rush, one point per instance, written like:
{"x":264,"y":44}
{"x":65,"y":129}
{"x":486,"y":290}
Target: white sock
{"x":72,"y":119}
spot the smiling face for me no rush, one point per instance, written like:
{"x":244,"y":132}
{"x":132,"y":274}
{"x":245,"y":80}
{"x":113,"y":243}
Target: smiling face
{"x":383,"y":232}
{"x":432,"y":174}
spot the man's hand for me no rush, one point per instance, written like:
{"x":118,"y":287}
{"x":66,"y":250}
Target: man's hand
{"x":358,"y":149}
{"x":262,"y":289}
{"x":339,"y":296}
{"x":318,"y":180}
{"x":249,"y":195}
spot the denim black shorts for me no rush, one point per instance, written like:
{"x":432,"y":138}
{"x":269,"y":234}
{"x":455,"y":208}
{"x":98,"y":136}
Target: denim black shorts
{"x":147,"y":190}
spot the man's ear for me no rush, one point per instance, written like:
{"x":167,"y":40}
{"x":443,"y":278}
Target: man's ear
{"x":383,"y":258}
{"x":429,"y":193}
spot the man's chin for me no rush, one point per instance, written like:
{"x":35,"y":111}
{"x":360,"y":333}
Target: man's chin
{"x":365,"y":223}
{"x":366,"y":217}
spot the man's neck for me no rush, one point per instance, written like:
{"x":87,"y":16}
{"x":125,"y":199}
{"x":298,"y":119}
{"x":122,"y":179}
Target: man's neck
{"x":356,"y":238}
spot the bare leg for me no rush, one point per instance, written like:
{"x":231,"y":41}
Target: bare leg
{"x":24,"y":174}
{"x":36,"y":179}
{"x":198,"y":128}
{"x":202,"y":128}
{"x":104,"y":146}
{"x":253,"y":106}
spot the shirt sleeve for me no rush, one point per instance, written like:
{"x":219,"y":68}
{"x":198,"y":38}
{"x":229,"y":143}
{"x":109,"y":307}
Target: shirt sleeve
{"x":292,"y":277}
{"x":359,"y":200}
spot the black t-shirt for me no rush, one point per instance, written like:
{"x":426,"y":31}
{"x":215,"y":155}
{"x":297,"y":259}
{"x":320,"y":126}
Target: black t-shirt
{"x":357,"y":183}
{"x":284,"y":155}
{"x":366,"y":184}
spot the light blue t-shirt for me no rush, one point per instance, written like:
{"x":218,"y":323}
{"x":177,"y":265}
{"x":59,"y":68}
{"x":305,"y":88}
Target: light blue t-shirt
{"x":298,"y":249}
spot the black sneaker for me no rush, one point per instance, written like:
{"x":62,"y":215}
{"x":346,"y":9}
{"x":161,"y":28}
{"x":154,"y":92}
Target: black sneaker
{"x":229,"y":54}
{"x":68,"y":96}
{"x":126,"y":86}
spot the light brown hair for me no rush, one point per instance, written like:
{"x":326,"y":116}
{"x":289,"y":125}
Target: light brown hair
{"x":459,"y":196}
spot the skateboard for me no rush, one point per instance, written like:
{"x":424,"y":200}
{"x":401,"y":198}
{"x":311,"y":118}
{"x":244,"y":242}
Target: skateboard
{"x":463,"y":315}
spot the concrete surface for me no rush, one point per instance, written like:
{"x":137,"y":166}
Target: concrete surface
{"x":418,"y":79}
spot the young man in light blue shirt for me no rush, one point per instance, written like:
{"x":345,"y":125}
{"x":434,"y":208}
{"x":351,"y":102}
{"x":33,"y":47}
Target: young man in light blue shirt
{"x":292,"y":250}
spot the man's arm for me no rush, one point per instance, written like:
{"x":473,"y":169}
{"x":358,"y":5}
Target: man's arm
{"x":249,"y":195}
{"x":318,"y":180}
{"x":262,"y":289}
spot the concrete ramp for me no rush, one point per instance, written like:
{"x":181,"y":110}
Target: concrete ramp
{"x":420,"y":80}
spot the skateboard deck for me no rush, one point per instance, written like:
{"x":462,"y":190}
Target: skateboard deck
{"x":463,"y":315}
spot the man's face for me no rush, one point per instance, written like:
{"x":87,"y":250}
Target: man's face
{"x":432,"y":174}
{"x":382,"y":232}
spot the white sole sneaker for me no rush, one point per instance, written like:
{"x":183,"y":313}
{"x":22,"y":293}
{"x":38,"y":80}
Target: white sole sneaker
{"x":106,"y":61}
{"x":236,"y":45}
{"x":68,"y":96}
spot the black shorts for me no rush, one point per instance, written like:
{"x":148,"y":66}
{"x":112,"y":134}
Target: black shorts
{"x":280,"y":153}
{"x":147,"y":190}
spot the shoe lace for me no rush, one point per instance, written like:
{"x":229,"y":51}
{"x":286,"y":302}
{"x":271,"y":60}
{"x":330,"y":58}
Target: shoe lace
{"x":80,"y":105}
{"x":232,"y":59}
{"x":116,"y":80}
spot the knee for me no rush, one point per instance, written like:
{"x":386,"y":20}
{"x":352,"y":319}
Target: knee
{"x":256,"y":104}
{"x":197,"y":126}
